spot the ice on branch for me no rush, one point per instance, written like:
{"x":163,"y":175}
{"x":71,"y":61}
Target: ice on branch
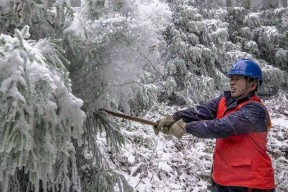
{"x":39,"y":116}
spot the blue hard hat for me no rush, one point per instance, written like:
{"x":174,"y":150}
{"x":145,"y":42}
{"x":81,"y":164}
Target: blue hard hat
{"x":248,"y":68}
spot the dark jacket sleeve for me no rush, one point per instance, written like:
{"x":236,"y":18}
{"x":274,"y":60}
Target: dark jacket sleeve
{"x":202,"y":112}
{"x":252,"y":117}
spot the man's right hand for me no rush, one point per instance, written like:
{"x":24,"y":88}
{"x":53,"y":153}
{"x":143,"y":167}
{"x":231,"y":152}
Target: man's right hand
{"x":164,"y":124}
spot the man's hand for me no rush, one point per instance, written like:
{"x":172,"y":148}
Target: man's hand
{"x":164,"y":124}
{"x":178,"y":129}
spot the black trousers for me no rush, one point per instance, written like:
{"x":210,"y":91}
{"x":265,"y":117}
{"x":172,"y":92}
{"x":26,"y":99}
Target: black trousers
{"x":220,"y":188}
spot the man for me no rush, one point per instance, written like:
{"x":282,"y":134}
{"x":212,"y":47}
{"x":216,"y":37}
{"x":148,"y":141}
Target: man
{"x":240,"y":123}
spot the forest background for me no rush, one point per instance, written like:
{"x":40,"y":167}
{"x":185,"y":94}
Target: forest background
{"x":62,"y":61}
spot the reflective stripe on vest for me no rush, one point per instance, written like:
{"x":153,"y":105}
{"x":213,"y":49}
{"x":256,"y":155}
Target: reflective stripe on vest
{"x":242,"y":160}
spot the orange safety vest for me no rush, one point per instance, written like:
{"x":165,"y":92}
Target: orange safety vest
{"x":242,"y":160}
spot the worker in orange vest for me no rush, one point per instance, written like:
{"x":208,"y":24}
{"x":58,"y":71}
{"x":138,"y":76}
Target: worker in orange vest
{"x":240,"y":123}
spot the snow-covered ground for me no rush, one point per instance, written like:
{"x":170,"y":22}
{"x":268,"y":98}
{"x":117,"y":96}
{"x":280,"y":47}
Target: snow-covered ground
{"x":163,"y":163}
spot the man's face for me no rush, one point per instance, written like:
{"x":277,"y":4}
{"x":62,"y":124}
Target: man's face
{"x":238,"y":86}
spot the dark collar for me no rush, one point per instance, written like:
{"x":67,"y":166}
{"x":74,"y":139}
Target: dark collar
{"x":231,"y":102}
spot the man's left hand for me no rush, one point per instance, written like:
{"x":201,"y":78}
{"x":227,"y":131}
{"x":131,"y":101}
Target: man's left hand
{"x":178,"y":129}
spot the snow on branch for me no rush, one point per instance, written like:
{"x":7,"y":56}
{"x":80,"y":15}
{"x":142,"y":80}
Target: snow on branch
{"x":38,"y":116}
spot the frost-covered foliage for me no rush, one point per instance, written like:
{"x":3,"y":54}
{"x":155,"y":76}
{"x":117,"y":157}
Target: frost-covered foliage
{"x":275,"y":78}
{"x":197,"y":46}
{"x":205,"y":42}
{"x":248,"y":4}
{"x":279,"y":103}
{"x":263,"y":35}
{"x":115,"y":49}
{"x":39,"y":117}
{"x":278,"y":137}
{"x":47,"y":21}
{"x":267,"y":31}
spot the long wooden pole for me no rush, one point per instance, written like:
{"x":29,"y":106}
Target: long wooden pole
{"x":124,"y":116}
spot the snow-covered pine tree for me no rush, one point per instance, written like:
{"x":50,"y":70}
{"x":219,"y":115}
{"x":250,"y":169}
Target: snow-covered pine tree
{"x":263,"y":35}
{"x":47,"y":20}
{"x":118,"y":43}
{"x":114,"y":48}
{"x":39,"y":117}
{"x":204,"y":42}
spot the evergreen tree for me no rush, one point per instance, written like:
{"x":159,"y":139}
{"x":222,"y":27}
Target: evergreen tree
{"x":114,"y":47}
{"x":47,"y":20}
{"x":39,"y":117}
{"x":204,"y":42}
